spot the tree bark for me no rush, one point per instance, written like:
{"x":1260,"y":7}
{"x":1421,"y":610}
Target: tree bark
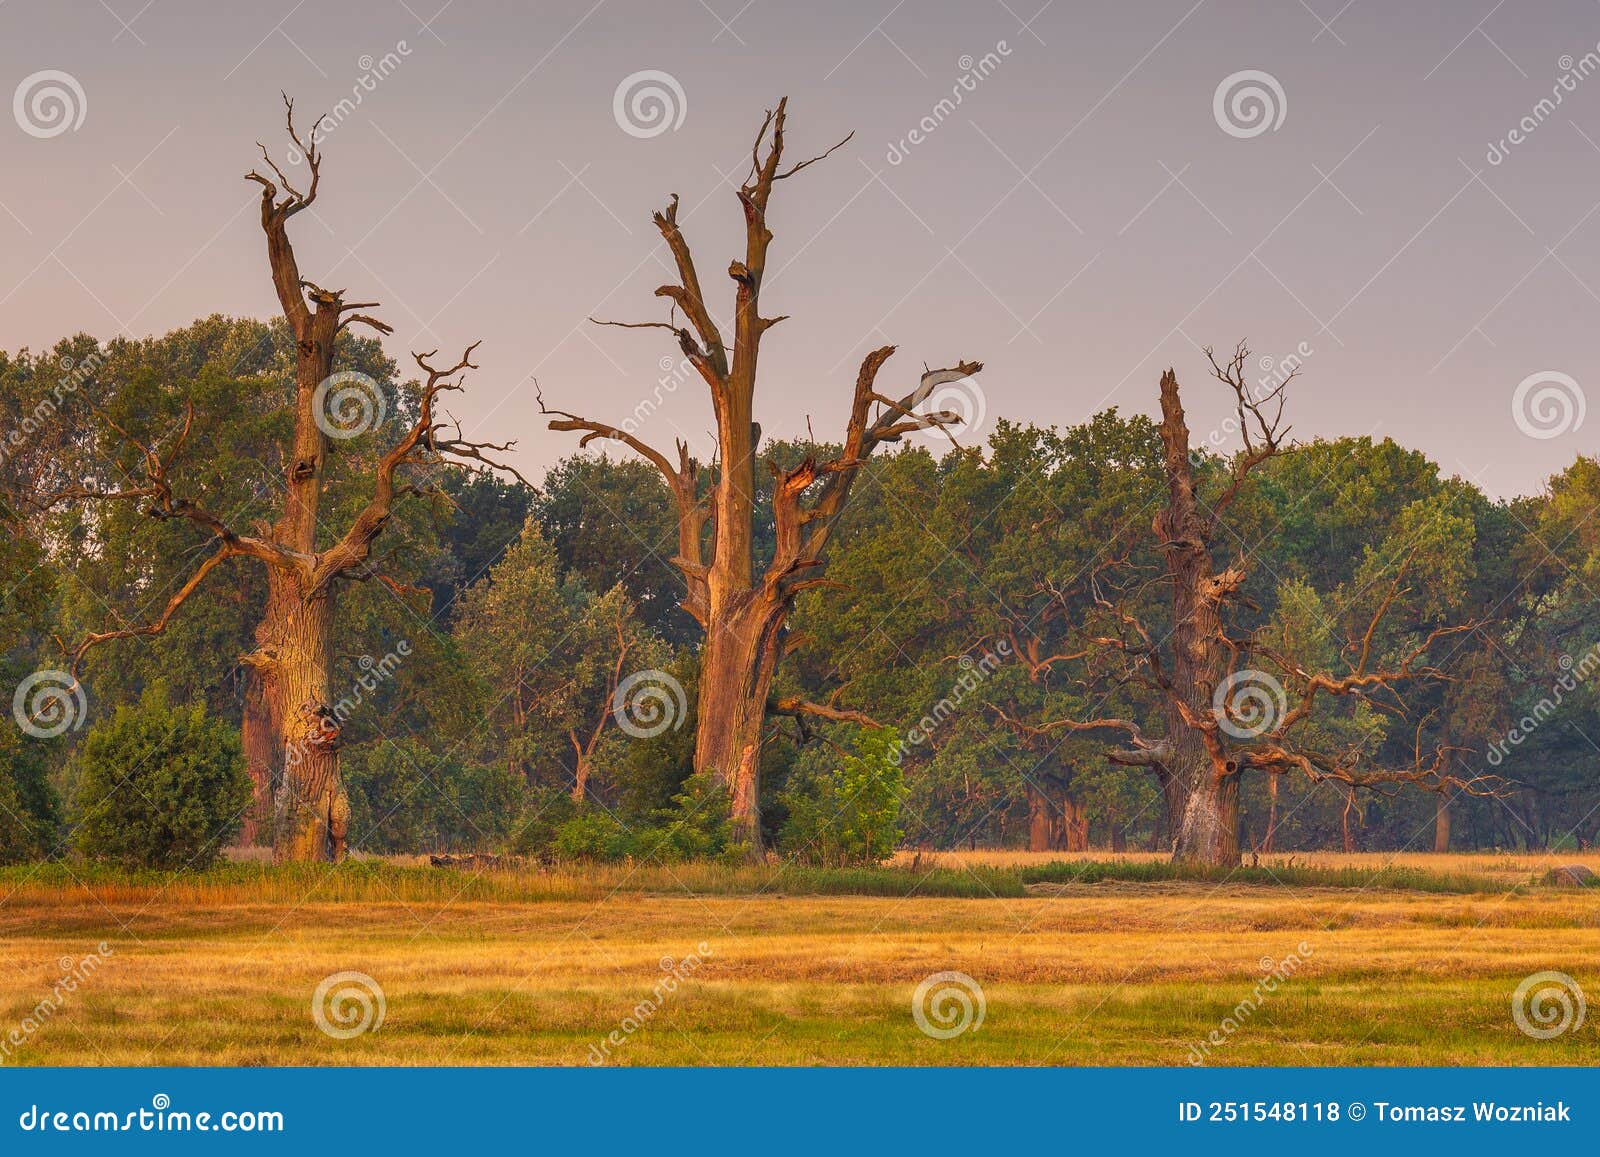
{"x":259,"y":738}
{"x":312,"y":813}
{"x":1344,"y":822}
{"x":1210,"y":832}
{"x":1272,"y":814}
{"x":1056,"y":821}
{"x":737,"y":665}
{"x":1441,"y":824}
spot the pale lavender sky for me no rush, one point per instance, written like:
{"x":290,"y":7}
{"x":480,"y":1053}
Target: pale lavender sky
{"x":1079,"y":222}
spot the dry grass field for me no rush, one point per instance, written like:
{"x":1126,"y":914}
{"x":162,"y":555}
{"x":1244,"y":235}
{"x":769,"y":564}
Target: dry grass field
{"x":530,"y":967}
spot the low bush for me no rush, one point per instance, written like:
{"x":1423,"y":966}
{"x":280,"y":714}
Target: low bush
{"x":160,"y":786}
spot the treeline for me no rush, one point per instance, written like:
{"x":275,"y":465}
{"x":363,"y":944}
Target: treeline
{"x":478,"y":688}
{"x":295,"y":603}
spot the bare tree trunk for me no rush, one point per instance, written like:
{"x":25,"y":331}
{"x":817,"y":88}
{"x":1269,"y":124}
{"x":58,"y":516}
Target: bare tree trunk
{"x":312,"y":813}
{"x":743,"y":612}
{"x":1441,"y":824}
{"x":1272,"y":814}
{"x":1076,"y":818}
{"x":1344,"y":821}
{"x":1056,"y":821}
{"x":1210,"y":832}
{"x":1119,"y":835}
{"x":737,"y":665}
{"x":1041,"y":820}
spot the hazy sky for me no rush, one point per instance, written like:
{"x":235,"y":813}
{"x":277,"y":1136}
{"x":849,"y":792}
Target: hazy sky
{"x":1081,"y":219}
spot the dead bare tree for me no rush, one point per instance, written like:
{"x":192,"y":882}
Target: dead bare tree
{"x":289,"y":718}
{"x":1222,"y":715}
{"x":743,"y":612}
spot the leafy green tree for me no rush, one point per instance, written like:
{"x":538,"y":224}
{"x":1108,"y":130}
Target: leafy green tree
{"x":405,"y":796}
{"x":555,"y":657}
{"x":844,"y":807}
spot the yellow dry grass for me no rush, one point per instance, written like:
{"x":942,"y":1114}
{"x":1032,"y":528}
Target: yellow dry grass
{"x":1118,"y":973}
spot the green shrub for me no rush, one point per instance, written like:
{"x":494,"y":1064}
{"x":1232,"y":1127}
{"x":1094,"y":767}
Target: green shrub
{"x":160,"y":786}
{"x":698,"y":825}
{"x":849,"y":812}
{"x":593,"y":834}
{"x":547,"y":809}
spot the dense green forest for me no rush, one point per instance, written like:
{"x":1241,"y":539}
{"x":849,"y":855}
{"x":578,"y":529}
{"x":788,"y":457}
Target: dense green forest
{"x":520,"y":673}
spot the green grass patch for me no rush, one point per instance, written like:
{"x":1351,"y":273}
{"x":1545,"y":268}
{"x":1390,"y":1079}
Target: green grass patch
{"x":1279,"y":875}
{"x":369,"y":881}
